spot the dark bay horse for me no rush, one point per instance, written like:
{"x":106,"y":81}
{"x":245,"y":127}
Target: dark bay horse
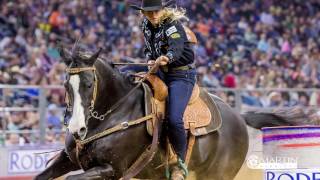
{"x":218,"y":155}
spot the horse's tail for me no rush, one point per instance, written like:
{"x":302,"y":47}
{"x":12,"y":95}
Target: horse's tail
{"x":294,"y":116}
{"x":259,"y":120}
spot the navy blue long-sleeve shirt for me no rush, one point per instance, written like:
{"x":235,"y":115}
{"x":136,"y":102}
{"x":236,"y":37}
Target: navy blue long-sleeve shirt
{"x":168,"y":39}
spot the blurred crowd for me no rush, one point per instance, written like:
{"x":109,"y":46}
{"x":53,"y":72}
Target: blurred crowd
{"x":245,"y":44}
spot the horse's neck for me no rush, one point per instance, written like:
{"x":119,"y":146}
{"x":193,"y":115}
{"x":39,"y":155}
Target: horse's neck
{"x":112,"y":86}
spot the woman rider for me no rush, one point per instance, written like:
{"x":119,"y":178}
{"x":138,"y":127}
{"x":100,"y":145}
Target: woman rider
{"x":166,"y":42}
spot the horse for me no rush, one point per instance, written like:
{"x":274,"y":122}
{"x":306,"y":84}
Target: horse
{"x":99,"y":100}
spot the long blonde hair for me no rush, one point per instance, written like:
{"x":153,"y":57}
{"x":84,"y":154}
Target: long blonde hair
{"x":173,"y":14}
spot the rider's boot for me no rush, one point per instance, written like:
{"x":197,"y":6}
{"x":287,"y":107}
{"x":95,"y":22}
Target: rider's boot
{"x":179,"y":171}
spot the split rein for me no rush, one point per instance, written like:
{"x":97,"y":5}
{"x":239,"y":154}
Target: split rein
{"x":148,"y":154}
{"x":95,"y":114}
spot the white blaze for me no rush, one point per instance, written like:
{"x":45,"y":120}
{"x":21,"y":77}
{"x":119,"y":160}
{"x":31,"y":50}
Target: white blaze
{"x":77,"y":119}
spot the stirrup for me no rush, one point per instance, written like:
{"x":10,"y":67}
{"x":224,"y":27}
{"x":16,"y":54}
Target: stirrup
{"x":168,"y":174}
{"x":183,"y":166}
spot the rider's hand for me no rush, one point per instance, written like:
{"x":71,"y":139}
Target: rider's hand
{"x":151,"y":62}
{"x":162,"y":60}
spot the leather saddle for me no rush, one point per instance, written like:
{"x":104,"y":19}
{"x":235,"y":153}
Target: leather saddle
{"x":201,"y":116}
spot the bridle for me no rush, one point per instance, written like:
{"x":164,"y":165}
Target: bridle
{"x":94,"y":113}
{"x":78,"y":70}
{"x":148,"y":154}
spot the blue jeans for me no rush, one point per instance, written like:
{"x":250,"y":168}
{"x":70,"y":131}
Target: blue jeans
{"x":180,"y":85}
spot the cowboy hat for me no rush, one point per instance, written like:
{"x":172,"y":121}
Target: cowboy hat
{"x":152,"y":5}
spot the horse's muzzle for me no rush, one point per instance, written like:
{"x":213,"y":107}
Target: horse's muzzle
{"x":82,"y":132}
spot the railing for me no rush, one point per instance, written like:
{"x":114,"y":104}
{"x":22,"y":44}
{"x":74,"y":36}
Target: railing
{"x":42,"y":106}
{"x":239,"y":91}
{"x":42,"y":109}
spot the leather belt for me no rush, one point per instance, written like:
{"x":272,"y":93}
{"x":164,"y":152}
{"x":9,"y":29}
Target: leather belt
{"x":180,"y":68}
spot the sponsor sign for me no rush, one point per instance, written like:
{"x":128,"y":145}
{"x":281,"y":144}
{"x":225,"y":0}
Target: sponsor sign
{"x":291,"y":147}
{"x":28,"y":161}
{"x":297,"y":174}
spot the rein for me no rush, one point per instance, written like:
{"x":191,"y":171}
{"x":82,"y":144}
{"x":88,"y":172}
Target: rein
{"x":148,"y":154}
{"x":94,"y":113}
{"x":95,"y":88}
{"x":133,"y":64}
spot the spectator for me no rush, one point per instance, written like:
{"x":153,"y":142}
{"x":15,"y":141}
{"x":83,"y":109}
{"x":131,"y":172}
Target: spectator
{"x":275,"y":99}
{"x":54,"y":121}
{"x":255,"y":44}
{"x":14,"y":140}
{"x":229,"y":81}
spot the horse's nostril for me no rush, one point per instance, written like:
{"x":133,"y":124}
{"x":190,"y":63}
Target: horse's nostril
{"x":82,"y":131}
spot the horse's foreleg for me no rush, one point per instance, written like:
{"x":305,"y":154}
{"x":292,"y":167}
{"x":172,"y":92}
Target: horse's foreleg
{"x":100,"y":172}
{"x":60,"y":166}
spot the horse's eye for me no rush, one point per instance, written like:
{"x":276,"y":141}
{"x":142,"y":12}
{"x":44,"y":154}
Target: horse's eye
{"x":89,"y":85}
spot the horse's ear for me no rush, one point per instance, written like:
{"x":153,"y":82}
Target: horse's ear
{"x":94,"y":57}
{"x":65,"y":55}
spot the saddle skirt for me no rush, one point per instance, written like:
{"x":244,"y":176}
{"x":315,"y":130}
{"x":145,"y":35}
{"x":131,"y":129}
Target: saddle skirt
{"x":202,"y":113}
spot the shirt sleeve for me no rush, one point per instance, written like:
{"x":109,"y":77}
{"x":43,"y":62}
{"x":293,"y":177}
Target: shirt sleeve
{"x":176,"y":37}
